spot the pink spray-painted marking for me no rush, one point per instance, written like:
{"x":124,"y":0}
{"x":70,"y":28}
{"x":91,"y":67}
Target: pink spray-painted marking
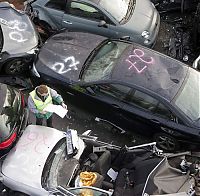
{"x":30,"y":138}
{"x":138,"y":54}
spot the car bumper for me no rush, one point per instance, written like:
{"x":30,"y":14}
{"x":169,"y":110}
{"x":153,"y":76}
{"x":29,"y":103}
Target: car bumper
{"x":154,"y":31}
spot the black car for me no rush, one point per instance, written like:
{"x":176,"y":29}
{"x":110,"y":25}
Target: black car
{"x":13,"y":116}
{"x":18,"y":40}
{"x":134,"y":87}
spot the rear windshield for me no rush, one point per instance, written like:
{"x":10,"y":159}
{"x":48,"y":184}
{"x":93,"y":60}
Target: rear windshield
{"x":9,"y":105}
{"x":188,"y":100}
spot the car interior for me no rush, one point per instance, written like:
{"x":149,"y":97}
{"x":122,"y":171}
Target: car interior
{"x":131,"y":166}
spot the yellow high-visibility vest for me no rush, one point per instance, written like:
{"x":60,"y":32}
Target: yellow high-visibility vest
{"x":40,"y":105}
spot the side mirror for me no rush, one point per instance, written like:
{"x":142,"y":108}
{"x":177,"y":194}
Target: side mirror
{"x":90,"y":90}
{"x":102,"y":23}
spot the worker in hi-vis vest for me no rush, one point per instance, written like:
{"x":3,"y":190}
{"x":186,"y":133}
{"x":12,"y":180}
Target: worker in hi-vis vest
{"x":39,"y":98}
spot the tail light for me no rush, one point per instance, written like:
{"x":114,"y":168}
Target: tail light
{"x":9,"y":141}
{"x":22,"y":100}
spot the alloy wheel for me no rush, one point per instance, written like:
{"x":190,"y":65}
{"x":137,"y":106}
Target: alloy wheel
{"x":166,"y":142}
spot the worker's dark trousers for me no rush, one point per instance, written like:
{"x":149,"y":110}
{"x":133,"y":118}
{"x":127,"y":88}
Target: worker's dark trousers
{"x":39,"y":121}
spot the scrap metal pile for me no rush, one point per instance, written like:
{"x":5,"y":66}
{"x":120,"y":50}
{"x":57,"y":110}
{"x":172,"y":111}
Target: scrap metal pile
{"x":180,"y":21}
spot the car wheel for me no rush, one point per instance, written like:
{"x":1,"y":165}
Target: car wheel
{"x":15,"y":67}
{"x":166,"y":142}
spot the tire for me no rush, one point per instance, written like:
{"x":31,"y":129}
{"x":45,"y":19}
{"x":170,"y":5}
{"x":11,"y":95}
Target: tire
{"x":166,"y":142}
{"x":15,"y":67}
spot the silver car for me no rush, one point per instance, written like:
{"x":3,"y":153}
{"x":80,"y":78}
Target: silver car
{"x":137,"y":19}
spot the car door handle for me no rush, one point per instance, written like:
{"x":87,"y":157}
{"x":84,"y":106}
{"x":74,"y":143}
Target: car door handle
{"x":70,"y":93}
{"x":155,"y":121}
{"x":115,"y":106}
{"x":67,"y":22}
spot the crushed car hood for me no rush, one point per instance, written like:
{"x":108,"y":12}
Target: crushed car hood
{"x":19,"y":33}
{"x":25,"y":162}
{"x":64,"y":54}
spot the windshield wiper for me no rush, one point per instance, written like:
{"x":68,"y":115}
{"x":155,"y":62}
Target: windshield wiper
{"x":129,"y":11}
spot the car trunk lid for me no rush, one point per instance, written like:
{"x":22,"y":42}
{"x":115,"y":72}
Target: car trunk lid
{"x":64,"y":54}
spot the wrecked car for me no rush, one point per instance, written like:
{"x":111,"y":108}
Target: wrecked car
{"x":13,"y":116}
{"x":18,"y":40}
{"x":80,"y":165}
{"x":133,"y":87}
{"x":134,"y":18}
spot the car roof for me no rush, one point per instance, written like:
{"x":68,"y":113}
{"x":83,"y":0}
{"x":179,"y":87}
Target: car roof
{"x":150,"y":70}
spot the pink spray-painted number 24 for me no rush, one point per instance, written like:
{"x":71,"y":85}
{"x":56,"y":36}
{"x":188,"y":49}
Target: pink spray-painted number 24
{"x":138,"y":54}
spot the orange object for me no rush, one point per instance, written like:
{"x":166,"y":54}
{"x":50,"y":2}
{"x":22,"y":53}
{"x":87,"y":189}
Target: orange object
{"x":88,"y":178}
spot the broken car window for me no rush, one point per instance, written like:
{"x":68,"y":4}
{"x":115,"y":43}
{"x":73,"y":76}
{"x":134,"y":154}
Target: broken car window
{"x":103,"y":61}
{"x":9,"y":111}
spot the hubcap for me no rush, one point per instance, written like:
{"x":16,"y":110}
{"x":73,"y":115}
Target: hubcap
{"x":166,"y":143}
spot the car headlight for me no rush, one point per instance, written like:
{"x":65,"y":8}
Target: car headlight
{"x":145,"y":34}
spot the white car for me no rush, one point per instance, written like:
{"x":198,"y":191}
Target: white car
{"x":46,"y":161}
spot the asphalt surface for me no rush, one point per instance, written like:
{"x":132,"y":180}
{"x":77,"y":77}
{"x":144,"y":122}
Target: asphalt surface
{"x":82,"y":121}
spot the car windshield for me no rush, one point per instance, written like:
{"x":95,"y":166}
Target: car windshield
{"x":58,"y":161}
{"x":118,"y":11}
{"x":103,"y":61}
{"x":188,"y":100}
{"x":1,"y":39}
{"x":51,"y":164}
{"x":87,"y":191}
{"x":10,"y":101}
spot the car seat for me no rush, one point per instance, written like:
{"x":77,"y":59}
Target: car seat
{"x":102,"y":164}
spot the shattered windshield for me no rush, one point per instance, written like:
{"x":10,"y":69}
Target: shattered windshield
{"x":118,"y":11}
{"x":10,"y":101}
{"x":188,"y":100}
{"x":102,"y":64}
{"x":1,"y":39}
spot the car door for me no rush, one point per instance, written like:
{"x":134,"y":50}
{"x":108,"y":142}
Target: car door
{"x":104,"y":100}
{"x":56,"y":10}
{"x":139,"y":116}
{"x":85,"y":17}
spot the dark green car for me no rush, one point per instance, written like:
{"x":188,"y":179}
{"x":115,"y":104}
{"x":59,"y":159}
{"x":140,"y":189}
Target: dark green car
{"x":137,"y":19}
